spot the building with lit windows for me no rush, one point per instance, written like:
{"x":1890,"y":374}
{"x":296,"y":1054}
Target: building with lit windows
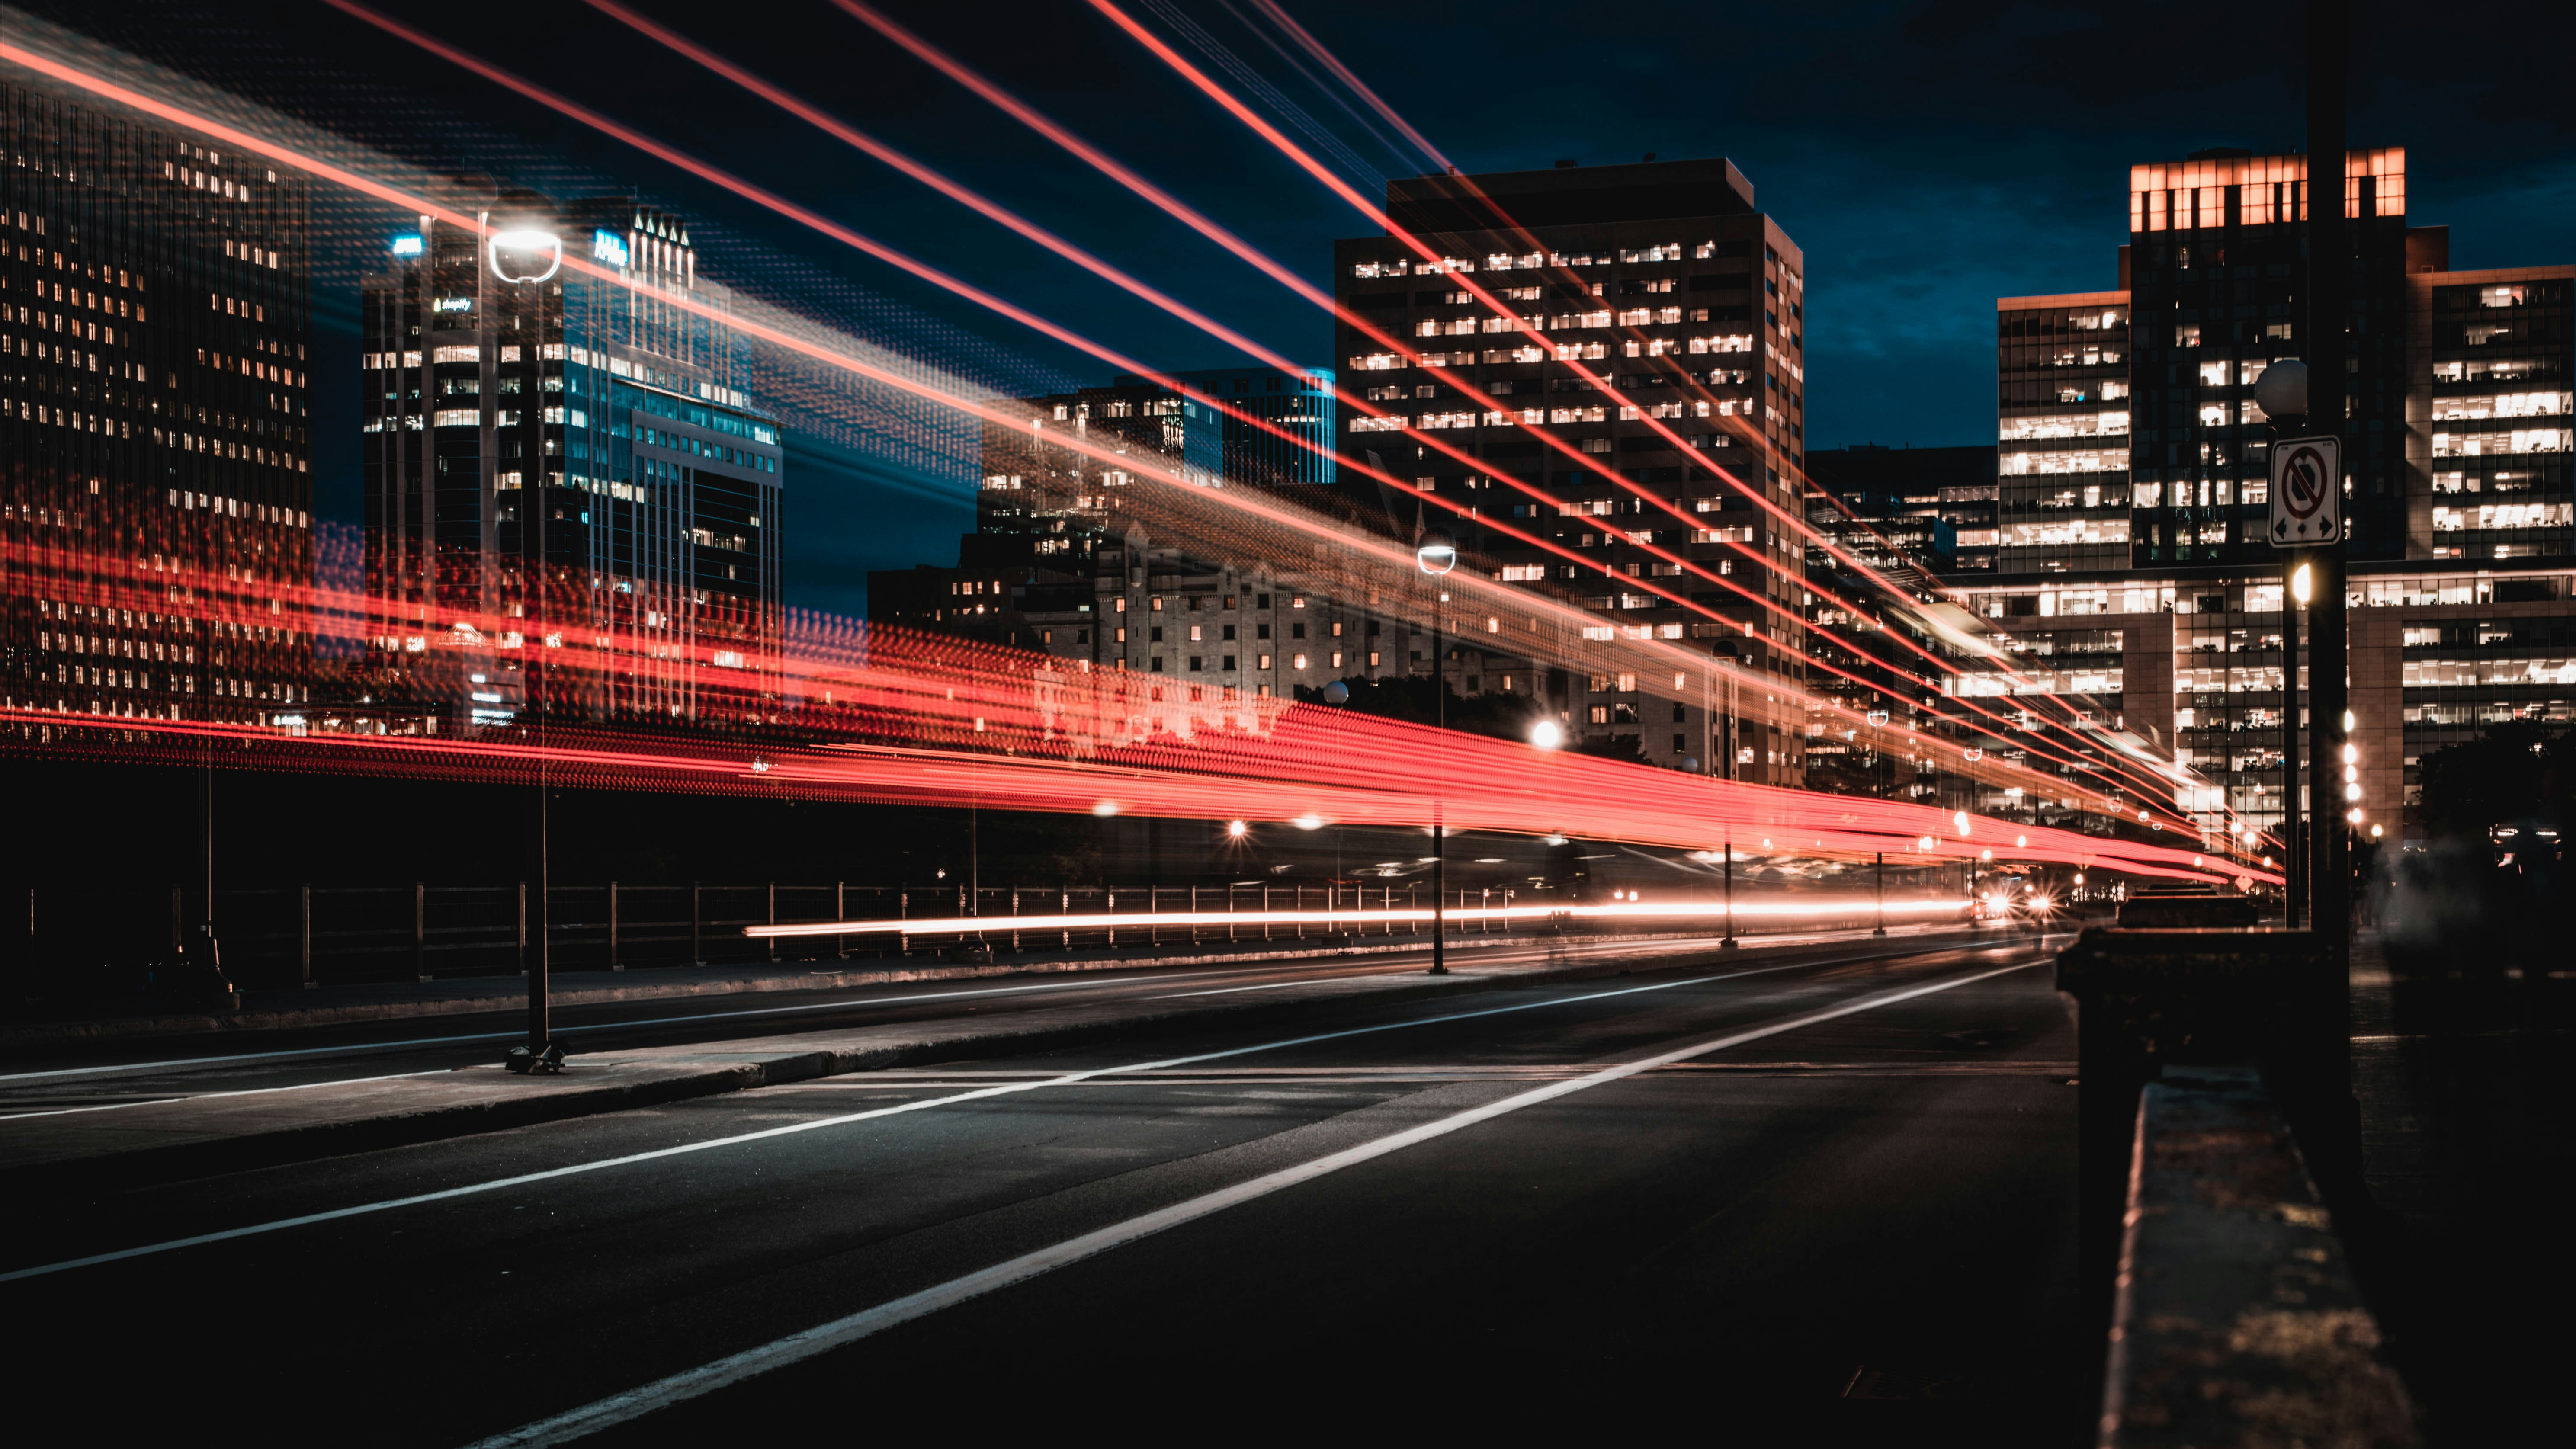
{"x":1907,"y":490}
{"x":155,"y":446}
{"x":1668,"y":284}
{"x":1055,"y":566}
{"x":579,"y":425}
{"x":2134,"y":465}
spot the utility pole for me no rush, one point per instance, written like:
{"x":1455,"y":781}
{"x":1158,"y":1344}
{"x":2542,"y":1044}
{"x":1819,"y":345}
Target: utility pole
{"x":2328,"y":284}
{"x":1439,"y":783}
{"x":529,"y":246}
{"x":1436,"y":553}
{"x":1729,"y":942}
{"x":1882,"y":895}
{"x":2293,"y":583}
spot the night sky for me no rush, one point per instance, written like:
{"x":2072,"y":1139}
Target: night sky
{"x":1929,"y":158}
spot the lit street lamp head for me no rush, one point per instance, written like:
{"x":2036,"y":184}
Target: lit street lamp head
{"x":525,"y":254}
{"x":2302,"y":584}
{"x":2282,"y":390}
{"x":1546,"y":735}
{"x":1437,"y":553}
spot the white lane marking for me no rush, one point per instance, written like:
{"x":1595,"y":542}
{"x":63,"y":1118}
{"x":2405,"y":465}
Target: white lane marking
{"x":792,"y":1128}
{"x":678,"y":1388}
{"x":1283,"y":985}
{"x":1501,"y":956}
{"x":211,"y":1096}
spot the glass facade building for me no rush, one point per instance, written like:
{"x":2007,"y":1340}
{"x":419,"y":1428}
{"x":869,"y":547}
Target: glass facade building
{"x":155,"y":433}
{"x":2062,"y":367}
{"x":2458,"y":412}
{"x":1666,"y":282}
{"x":567,"y":447}
{"x":1056,"y":565}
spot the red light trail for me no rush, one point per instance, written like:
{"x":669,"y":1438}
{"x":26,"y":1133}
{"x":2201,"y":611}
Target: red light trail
{"x":1266,"y":511}
{"x":994,"y":94}
{"x":1461,"y":917}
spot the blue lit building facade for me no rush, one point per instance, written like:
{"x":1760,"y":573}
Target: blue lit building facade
{"x":567,"y":444}
{"x":1223,"y":445}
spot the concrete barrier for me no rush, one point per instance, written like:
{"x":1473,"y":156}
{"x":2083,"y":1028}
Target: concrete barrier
{"x":2153,"y":912}
{"x":2237,"y":1319}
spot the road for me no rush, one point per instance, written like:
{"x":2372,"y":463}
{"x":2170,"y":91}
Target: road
{"x":87,"y":1077}
{"x":1829,"y":1195}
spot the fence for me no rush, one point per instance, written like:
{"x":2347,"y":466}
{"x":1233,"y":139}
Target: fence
{"x":351,"y":934}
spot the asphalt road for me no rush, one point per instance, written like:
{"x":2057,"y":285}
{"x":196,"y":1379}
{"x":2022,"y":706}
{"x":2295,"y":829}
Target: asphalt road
{"x":1827,"y":1200}
{"x":91,"y":1077}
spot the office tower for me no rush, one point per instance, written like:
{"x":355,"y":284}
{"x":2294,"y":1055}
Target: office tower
{"x":1666,"y":282}
{"x":2487,"y":446}
{"x":1056,"y":565}
{"x":553,"y":392}
{"x":155,"y":459}
{"x":2062,"y":495}
{"x":1906,"y":489}
{"x":1300,"y":406}
{"x":2457,"y":437}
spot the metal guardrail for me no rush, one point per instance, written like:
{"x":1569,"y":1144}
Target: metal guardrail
{"x":338,"y":935}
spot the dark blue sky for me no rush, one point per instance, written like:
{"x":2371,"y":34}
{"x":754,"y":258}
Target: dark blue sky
{"x":1928,"y":157}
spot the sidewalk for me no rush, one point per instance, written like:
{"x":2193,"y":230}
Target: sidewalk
{"x":289,"y":1009}
{"x":210,"y":1134}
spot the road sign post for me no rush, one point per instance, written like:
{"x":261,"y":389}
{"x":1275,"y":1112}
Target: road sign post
{"x":2307,"y":492}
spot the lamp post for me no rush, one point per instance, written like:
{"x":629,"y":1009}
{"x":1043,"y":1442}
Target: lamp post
{"x":1436,"y":555}
{"x":1881,"y":928}
{"x":526,"y":256}
{"x":2296,"y":598}
{"x":1729,"y":943}
{"x":1337,"y":694}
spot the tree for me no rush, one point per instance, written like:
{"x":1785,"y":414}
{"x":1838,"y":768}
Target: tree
{"x":2517,"y":770}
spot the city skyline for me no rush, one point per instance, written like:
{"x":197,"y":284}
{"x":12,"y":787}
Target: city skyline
{"x":1913,"y":235}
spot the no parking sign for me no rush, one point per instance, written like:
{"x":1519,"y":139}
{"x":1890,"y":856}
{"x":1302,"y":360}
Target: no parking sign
{"x":2307,"y":490}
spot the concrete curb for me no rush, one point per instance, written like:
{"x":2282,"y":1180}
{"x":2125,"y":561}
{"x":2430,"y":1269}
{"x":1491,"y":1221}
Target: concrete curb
{"x":566,"y":1098}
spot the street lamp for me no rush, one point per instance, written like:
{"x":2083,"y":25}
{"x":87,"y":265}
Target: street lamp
{"x":1546,"y":735}
{"x":1723,"y":649}
{"x":1337,"y":694}
{"x":1437,"y":554}
{"x":2302,"y":584}
{"x":526,"y":255}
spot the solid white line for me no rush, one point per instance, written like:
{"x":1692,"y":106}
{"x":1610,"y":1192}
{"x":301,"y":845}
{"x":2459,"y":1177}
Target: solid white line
{"x":210,"y":1096}
{"x":636,"y":1403}
{"x":790,"y":1129}
{"x":1503,"y":956}
{"x":1283,"y":985}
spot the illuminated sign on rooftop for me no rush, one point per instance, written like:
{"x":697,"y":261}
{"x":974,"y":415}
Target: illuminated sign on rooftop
{"x":407,"y":245}
{"x":607,"y":246}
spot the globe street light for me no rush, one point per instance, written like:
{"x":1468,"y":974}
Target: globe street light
{"x":2302,"y":585}
{"x":1546,"y":735}
{"x":1437,"y":554}
{"x":524,"y":255}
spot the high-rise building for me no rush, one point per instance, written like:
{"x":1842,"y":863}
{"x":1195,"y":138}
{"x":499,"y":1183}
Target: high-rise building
{"x":1300,"y":406}
{"x":505,"y":390}
{"x":1058,"y":565}
{"x":2134,"y":473}
{"x":1666,"y":282}
{"x":155,"y":459}
{"x":1955,"y":486}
